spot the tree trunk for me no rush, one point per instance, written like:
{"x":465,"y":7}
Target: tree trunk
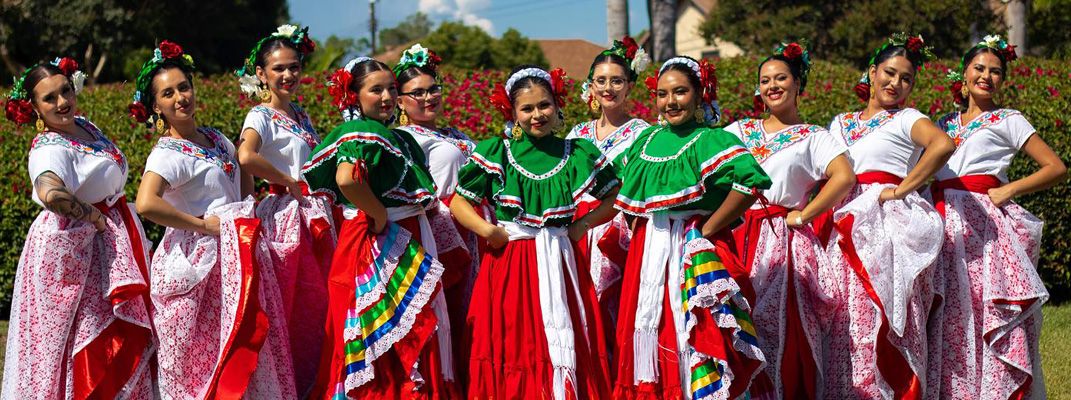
{"x":1015,"y":18}
{"x":663,"y":14}
{"x":616,"y":20}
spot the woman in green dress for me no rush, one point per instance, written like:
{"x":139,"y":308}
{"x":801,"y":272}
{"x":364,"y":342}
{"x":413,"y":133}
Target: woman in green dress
{"x":533,"y":328}
{"x":683,"y":329}
{"x":394,"y":340}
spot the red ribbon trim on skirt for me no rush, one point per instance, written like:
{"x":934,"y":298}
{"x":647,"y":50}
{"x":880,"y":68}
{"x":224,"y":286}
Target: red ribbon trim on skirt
{"x":798,"y":369}
{"x":971,"y":183}
{"x":107,"y":363}
{"x":239,"y":356}
{"x":891,"y":363}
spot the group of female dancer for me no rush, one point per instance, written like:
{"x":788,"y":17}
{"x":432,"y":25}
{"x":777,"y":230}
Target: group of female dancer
{"x":769,"y":259}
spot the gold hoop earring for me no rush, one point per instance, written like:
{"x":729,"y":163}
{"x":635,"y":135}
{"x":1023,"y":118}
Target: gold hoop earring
{"x":517,"y":132}
{"x":40,"y":125}
{"x":594,"y":104}
{"x":403,"y":119}
{"x":160,"y":125}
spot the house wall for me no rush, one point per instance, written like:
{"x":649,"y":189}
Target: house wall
{"x":691,"y":43}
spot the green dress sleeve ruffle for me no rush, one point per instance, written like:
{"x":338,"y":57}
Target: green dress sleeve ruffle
{"x":686,"y":167}
{"x":395,"y":167}
{"x":535,"y":182}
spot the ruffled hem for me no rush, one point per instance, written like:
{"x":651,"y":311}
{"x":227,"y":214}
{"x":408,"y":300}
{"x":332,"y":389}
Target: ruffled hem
{"x":632,"y":204}
{"x":420,"y":194}
{"x":647,"y":391}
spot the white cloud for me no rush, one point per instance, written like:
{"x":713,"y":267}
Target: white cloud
{"x":466,"y":11}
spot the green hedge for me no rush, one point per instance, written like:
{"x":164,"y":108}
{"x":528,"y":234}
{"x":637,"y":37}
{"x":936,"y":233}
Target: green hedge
{"x":1037,"y":87}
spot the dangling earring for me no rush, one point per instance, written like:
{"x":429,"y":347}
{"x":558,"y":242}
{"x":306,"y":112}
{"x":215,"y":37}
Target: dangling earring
{"x":403,"y":119}
{"x":662,"y":121}
{"x":517,"y":132}
{"x":40,"y":125}
{"x":700,"y":116}
{"x":160,"y":125}
{"x":264,"y":94}
{"x":964,"y":91}
{"x":594,"y":104}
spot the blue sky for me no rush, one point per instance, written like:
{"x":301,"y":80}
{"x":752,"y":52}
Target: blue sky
{"x":537,"y":19}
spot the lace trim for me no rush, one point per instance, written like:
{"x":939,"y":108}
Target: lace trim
{"x":513,"y":162}
{"x":643,"y":151}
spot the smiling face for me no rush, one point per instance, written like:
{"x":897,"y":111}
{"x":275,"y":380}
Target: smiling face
{"x":535,"y":111}
{"x":610,"y":85}
{"x":424,"y":108}
{"x":984,"y":76}
{"x":777,"y":87}
{"x":892,"y":81}
{"x":54,"y":101}
{"x":173,"y":96}
{"x":675,"y":98}
{"x":281,"y":72}
{"x":378,"y":95}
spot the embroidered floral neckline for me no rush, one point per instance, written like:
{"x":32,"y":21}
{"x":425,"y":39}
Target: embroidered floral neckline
{"x":590,"y":131}
{"x":100,"y":147}
{"x":450,"y":135}
{"x":953,"y":123}
{"x":301,"y":128}
{"x":855,"y":128}
{"x":755,"y":137}
{"x":218,"y":154}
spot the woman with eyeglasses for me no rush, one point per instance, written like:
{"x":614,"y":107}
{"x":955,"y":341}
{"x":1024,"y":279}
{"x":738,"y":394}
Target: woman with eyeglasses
{"x":611,"y":78}
{"x":446,"y":150}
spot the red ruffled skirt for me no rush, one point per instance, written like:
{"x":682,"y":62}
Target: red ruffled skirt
{"x":504,"y":334}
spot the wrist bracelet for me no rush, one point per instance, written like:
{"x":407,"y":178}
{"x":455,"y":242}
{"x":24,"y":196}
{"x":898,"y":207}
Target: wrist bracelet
{"x":799,"y":220}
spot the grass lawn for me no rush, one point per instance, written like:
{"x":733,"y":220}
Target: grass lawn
{"x":1055,"y":346}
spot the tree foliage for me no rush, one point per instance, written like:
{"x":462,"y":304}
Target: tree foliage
{"x":117,"y":33}
{"x":1047,"y":29}
{"x":849,"y":31}
{"x":469,"y":47}
{"x":414,"y":27}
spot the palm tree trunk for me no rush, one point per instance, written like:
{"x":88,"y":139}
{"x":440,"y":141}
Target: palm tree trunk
{"x":616,"y":20}
{"x":663,"y":14}
{"x":1015,"y":18}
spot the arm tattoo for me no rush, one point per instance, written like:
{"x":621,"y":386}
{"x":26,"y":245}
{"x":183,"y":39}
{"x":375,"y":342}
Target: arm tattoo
{"x":60,"y":200}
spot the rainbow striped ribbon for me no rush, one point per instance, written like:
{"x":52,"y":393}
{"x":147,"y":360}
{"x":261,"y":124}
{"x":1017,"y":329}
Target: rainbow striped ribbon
{"x":388,"y":296}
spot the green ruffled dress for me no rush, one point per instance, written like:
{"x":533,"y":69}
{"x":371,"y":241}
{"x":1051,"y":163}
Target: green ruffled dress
{"x":670,"y":173}
{"x":534,"y":182}
{"x":395,"y":169}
